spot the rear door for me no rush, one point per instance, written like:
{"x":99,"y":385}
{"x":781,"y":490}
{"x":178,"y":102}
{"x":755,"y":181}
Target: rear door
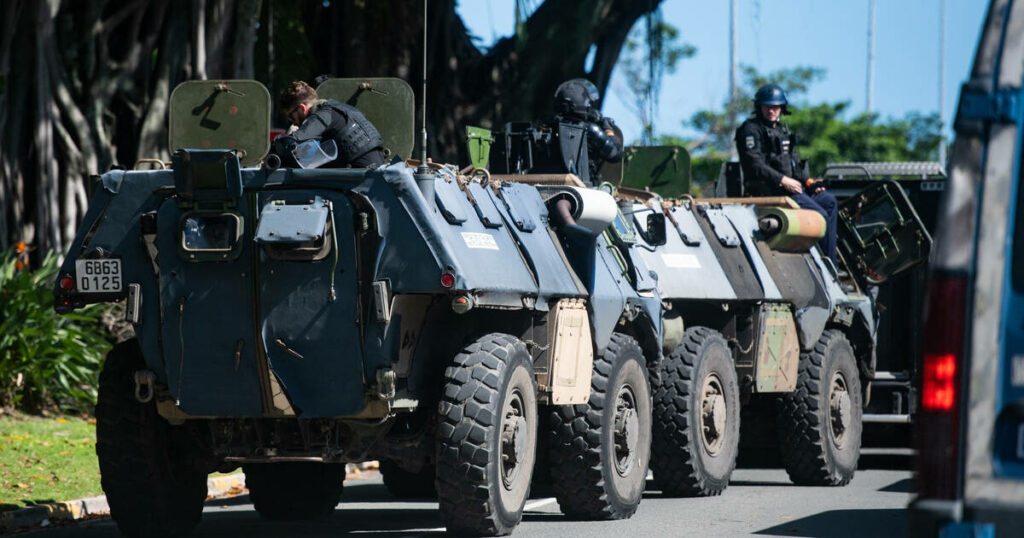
{"x":880,"y":234}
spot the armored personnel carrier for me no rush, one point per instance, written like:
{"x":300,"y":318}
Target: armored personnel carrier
{"x":759,"y":325}
{"x":291,"y":320}
{"x":756,"y":322}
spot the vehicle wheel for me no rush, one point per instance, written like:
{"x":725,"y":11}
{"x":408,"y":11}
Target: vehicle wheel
{"x":599,"y":451}
{"x":290,"y":491}
{"x":406,"y":485}
{"x":820,"y":422}
{"x":152,"y":483}
{"x":696,"y":417}
{"x":487,"y":436}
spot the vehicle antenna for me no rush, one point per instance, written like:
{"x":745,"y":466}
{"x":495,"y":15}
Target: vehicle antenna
{"x":423,"y":109}
{"x":424,"y":178}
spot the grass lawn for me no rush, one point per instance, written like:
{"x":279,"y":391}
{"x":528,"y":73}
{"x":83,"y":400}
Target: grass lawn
{"x":46,"y":459}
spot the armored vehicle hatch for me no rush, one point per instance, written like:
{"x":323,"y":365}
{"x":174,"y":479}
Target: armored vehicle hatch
{"x":387,"y":102}
{"x":661,"y":169}
{"x":221,"y":114}
{"x":880,"y":233}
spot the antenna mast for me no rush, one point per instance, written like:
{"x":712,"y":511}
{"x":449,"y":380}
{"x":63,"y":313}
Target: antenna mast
{"x":423,"y":110}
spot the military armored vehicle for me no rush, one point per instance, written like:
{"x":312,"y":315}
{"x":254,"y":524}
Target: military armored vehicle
{"x":756,"y":322}
{"x":291,"y":320}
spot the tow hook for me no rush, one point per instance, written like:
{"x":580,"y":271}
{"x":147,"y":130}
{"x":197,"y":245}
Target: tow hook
{"x":144,"y":385}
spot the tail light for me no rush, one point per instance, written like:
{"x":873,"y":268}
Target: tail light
{"x":938,"y":423}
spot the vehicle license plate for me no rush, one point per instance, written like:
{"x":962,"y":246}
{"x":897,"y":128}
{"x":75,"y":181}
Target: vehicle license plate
{"x":98,"y":276}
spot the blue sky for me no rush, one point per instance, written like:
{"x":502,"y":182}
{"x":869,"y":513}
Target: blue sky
{"x":775,"y":34}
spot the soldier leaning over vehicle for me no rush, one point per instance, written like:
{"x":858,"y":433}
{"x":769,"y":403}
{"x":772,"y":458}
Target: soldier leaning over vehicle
{"x":359,"y":145}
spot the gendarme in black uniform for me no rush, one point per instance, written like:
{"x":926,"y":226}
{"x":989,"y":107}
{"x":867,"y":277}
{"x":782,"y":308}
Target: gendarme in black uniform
{"x":359,"y":143}
{"x":766,"y":154}
{"x":576,"y":111}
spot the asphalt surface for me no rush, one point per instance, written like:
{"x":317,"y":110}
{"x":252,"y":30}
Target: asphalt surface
{"x":760,"y":502}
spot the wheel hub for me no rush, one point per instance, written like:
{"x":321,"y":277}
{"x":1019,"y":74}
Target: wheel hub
{"x":840,"y":408}
{"x":713,"y":415}
{"x":513,"y":440}
{"x":626,"y":430}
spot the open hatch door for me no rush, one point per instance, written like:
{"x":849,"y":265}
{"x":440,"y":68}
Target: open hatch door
{"x":387,"y":102}
{"x":880,"y":234}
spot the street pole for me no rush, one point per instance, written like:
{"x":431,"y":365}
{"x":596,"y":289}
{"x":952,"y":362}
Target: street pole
{"x":733,"y":68}
{"x":942,"y":83}
{"x":870,"y":90}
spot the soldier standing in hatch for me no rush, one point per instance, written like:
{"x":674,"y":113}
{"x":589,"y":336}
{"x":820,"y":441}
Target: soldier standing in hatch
{"x":576,"y":101}
{"x":359,"y":143}
{"x":771,"y":166}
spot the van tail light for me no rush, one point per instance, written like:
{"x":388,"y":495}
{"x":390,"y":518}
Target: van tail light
{"x":938,"y":436}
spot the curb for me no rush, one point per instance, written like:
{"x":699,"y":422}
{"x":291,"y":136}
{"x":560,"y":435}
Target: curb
{"x":43,"y":515}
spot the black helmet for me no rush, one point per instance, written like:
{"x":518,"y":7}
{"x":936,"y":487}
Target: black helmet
{"x":577,"y":96}
{"x":771,"y":94}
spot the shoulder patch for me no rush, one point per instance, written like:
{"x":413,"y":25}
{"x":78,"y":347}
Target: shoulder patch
{"x":749,"y":142}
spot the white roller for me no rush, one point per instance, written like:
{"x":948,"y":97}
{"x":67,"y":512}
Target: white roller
{"x":594,"y":210}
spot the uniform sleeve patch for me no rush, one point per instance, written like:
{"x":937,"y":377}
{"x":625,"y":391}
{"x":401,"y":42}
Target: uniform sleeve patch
{"x":750,"y":142}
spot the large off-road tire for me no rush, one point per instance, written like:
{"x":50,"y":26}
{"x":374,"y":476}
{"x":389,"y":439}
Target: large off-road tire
{"x":696,"y":417}
{"x":820,"y":422}
{"x":487,"y":436}
{"x":153,"y":484}
{"x":598,"y":452}
{"x":291,"y":491}
{"x":408,"y":485}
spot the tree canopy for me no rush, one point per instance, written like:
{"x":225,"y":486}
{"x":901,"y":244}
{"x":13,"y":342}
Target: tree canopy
{"x":826,"y":132}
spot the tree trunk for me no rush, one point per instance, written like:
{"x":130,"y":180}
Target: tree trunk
{"x":84,"y":84}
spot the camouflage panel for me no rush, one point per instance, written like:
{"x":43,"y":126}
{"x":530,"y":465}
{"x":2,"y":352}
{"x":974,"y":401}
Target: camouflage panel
{"x":387,"y":102}
{"x":778,"y":351}
{"x":661,"y":169}
{"x":221,"y":114}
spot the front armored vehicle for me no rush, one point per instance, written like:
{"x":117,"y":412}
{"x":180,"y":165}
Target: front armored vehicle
{"x":289,"y":321}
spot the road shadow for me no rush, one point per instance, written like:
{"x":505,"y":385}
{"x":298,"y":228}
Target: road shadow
{"x":877,"y":523}
{"x":886,"y":462}
{"x":404,"y":521}
{"x":900,"y":486}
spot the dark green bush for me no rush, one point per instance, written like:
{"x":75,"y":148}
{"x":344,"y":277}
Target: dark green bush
{"x":47,"y":361}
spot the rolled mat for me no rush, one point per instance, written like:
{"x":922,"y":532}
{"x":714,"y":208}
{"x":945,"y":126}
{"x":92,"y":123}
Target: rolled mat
{"x":799,"y":228}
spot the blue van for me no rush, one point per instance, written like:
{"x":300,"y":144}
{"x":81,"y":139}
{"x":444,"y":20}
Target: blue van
{"x":970,"y":437}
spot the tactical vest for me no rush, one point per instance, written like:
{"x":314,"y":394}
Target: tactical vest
{"x":358,"y":136}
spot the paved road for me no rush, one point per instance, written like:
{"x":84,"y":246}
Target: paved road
{"x":758,"y":502}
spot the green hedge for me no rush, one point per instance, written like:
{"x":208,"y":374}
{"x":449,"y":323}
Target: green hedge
{"x":47,"y":361}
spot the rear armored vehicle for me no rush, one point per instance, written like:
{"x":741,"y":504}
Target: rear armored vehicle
{"x":291,"y":320}
{"x":760,"y":331}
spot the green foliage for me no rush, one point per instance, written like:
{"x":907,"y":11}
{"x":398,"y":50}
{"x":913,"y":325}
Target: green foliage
{"x":719,"y":126}
{"x":650,"y":51}
{"x":824,"y":134}
{"x":825,"y":137}
{"x":46,"y":360}
{"x":292,"y":52}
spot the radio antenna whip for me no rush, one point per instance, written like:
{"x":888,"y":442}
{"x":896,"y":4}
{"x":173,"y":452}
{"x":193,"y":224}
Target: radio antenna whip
{"x":424,"y":179}
{"x":423,"y":109}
